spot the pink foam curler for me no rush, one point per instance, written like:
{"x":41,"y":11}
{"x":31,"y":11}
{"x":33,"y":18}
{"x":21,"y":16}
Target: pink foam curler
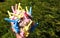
{"x":13,"y":9}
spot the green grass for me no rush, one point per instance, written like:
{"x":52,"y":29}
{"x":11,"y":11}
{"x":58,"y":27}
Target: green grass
{"x":46,"y":12}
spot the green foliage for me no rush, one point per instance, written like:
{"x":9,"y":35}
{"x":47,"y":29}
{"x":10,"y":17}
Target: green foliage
{"x":46,"y":12}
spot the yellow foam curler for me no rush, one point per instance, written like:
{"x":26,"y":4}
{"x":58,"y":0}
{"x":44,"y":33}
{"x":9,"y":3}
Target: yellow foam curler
{"x":19,"y":7}
{"x":26,"y":9}
{"x":26,"y":28}
{"x":26,"y":34}
{"x":9,"y":13}
{"x":18,"y":16}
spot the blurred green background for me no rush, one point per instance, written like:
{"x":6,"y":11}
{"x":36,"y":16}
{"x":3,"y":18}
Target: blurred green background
{"x":45,"y":12}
